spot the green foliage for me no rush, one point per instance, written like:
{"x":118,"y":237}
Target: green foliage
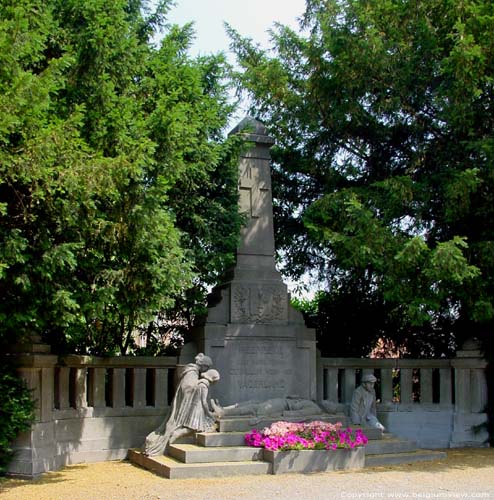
{"x":115,"y":179}
{"x":352,"y":321}
{"x":16,"y":411}
{"x":382,"y":112}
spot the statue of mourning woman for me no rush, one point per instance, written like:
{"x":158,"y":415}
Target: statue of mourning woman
{"x":189,"y":411}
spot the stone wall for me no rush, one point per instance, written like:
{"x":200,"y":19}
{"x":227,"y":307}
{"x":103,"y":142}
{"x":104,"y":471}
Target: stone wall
{"x":89,"y":409}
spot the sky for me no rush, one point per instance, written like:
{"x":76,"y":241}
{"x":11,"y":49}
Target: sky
{"x":251,"y":18}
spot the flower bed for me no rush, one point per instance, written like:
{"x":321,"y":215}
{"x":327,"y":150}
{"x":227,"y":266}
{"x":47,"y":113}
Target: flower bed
{"x":309,"y":447}
{"x":284,"y":436}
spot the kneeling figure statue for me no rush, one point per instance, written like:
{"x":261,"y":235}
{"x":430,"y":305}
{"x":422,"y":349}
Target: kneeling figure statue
{"x":363,"y":407}
{"x":189,"y":411}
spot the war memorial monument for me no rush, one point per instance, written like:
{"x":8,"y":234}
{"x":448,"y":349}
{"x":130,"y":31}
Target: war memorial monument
{"x":249,"y":362}
{"x":265,"y":356}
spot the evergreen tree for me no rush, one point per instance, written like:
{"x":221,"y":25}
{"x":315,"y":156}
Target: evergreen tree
{"x":112,"y":160}
{"x":383,"y":115}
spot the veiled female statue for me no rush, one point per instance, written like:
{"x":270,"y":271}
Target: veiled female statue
{"x":187,"y":413}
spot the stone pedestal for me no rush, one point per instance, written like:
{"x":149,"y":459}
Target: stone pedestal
{"x":257,"y":341}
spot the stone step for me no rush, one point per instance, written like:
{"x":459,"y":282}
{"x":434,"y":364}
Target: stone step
{"x":389,"y":444}
{"x":403,"y":458}
{"x":189,"y":453}
{"x":370,"y":432}
{"x":173,"y":469}
{"x":212,"y":439}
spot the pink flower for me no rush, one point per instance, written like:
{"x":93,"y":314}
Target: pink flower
{"x":320,"y":435}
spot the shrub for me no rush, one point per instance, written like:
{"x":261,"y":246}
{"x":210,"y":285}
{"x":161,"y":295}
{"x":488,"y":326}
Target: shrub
{"x":16,"y":411}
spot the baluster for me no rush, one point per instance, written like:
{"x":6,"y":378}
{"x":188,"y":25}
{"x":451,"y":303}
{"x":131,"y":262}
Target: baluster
{"x":426,"y":385}
{"x":63,"y":387}
{"x":80,"y":387}
{"x":386,"y":385}
{"x":161,"y":388}
{"x":348,"y":384}
{"x":462,"y":389}
{"x":99,"y":388}
{"x":139,"y":387}
{"x":332,"y":384}
{"x":445,"y":386}
{"x":405,"y":385}
{"x":118,"y":388}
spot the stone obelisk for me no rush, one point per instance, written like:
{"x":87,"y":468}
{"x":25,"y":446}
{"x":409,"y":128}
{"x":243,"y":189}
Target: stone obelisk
{"x":257,"y":341}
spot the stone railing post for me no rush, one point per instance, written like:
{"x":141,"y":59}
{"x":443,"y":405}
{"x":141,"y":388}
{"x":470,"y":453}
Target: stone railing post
{"x":469,"y":426}
{"x":36,"y":448}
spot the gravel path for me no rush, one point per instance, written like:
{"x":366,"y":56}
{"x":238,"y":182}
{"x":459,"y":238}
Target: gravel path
{"x":466,"y":473}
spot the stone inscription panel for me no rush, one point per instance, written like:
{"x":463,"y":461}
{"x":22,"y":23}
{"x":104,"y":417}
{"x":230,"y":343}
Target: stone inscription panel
{"x":259,"y":304}
{"x":260,"y":369}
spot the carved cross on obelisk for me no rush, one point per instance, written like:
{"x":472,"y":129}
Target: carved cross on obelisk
{"x":256,"y":247}
{"x":253,"y":191}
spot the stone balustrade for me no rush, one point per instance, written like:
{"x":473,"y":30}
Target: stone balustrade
{"x":90,"y":409}
{"x":93,"y":409}
{"x":439,"y":403}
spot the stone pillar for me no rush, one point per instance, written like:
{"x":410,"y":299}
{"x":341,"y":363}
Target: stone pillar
{"x":258,"y":342}
{"x":35,"y":450}
{"x":469,"y":423}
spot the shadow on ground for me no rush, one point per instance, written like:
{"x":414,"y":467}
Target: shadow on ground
{"x":64,"y":475}
{"x":457,"y":459}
